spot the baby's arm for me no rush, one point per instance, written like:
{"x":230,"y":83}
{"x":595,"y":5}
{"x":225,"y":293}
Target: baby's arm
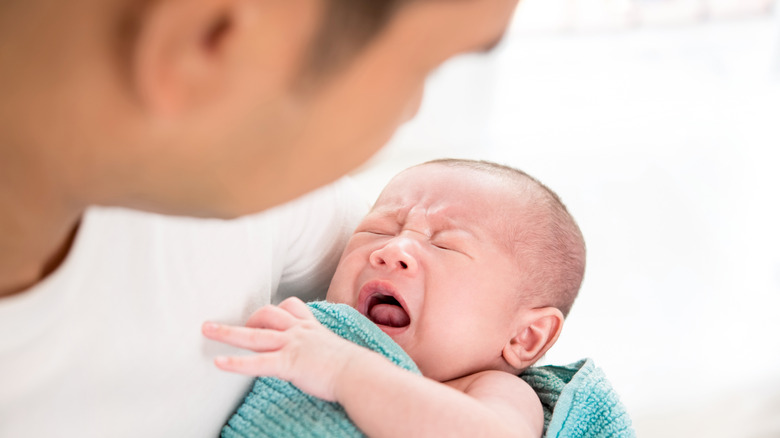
{"x":385,"y":400}
{"x":381,"y":398}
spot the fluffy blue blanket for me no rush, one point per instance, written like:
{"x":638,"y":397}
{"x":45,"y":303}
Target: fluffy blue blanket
{"x":577,"y":399}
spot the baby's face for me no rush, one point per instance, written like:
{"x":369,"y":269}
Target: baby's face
{"x":431,"y":265}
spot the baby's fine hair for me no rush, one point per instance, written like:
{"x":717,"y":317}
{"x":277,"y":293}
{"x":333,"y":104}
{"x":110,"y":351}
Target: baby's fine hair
{"x":552,"y":246}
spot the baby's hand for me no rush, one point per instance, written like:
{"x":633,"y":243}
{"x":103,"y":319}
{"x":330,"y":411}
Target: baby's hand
{"x":292,"y":346}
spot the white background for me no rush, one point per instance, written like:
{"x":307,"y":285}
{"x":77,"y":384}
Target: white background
{"x":661,"y":134}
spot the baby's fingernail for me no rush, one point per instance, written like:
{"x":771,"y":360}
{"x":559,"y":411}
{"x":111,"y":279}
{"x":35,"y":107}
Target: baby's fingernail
{"x":221,"y":360}
{"x":210,"y":327}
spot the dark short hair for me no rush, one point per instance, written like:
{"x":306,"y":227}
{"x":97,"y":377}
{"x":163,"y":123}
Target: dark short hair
{"x":346,"y":27}
{"x":553,"y":248}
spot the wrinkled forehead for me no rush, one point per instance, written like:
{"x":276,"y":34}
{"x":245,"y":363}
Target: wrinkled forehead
{"x":432,"y":184}
{"x":452,"y":196}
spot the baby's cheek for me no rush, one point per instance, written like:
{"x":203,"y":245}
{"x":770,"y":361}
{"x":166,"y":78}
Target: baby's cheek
{"x":447,"y":361}
{"x":340,"y":294}
{"x":430,"y":366}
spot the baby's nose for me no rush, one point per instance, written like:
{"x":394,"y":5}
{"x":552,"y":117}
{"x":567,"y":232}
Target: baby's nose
{"x":397,"y":254}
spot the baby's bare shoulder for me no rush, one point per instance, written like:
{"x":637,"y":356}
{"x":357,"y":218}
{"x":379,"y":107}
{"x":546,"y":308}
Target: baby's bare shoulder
{"x":507,"y":394}
{"x":499,"y":383}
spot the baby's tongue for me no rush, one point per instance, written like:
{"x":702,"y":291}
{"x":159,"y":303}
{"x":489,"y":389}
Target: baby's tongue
{"x":389,"y":314}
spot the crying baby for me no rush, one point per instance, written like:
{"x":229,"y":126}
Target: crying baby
{"x":470,"y":267}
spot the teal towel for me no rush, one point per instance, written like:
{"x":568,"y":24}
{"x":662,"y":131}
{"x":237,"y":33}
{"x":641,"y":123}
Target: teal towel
{"x":275,"y":408}
{"x":579,"y":402}
{"x":577,"y":399}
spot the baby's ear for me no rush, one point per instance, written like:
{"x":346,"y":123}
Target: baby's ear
{"x":536,"y":331}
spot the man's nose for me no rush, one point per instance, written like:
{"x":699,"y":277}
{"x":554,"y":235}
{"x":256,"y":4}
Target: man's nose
{"x":396,"y":254}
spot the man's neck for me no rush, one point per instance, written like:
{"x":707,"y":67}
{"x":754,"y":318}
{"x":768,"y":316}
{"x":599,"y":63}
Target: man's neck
{"x":28,"y":258}
{"x":38,"y":229}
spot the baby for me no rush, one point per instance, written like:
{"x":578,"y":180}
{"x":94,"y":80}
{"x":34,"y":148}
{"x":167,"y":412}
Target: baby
{"x":471,"y":268}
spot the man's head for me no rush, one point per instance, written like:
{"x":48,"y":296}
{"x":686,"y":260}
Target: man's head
{"x":217,"y":107}
{"x":467,"y":265}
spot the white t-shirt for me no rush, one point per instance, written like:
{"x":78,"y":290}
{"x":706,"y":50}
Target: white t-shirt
{"x":109,"y":345}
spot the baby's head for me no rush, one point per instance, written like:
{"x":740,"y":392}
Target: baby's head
{"x":467,"y":265}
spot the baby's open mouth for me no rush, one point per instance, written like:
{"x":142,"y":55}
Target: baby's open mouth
{"x":386,"y":310}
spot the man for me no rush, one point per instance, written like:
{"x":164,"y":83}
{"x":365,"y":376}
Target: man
{"x":205,"y":108}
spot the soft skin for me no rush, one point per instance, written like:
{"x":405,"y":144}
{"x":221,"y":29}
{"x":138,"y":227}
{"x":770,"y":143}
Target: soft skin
{"x":194,"y":108}
{"x":435,"y":242}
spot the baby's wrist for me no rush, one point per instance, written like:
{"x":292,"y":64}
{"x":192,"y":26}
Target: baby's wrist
{"x":350,"y":373}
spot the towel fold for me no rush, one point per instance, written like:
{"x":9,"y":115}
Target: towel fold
{"x":577,"y":399}
{"x":579,"y":402}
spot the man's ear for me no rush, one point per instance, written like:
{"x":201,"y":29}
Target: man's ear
{"x":536,"y":331}
{"x":179,"y":52}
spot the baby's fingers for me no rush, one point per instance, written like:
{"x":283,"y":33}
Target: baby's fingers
{"x":244,"y":337}
{"x":272,"y":317}
{"x":297,"y":308}
{"x":266,"y":364}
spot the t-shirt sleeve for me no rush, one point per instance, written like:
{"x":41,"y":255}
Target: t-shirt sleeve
{"x":312,"y":232}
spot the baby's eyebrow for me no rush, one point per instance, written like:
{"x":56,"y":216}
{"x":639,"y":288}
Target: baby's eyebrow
{"x":380,"y":217}
{"x":441,"y":223}
{"x":452,"y":229}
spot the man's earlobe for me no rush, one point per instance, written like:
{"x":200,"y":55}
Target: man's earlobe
{"x":176,"y":58}
{"x":537,"y":331}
